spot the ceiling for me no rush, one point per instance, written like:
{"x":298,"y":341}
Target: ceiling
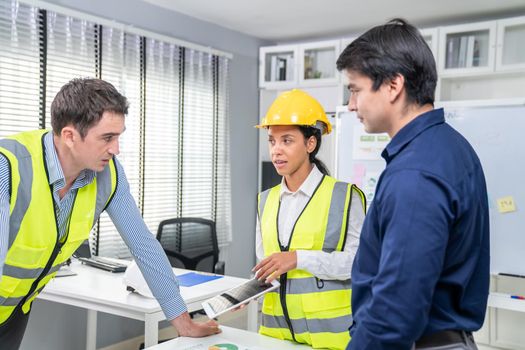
{"x":285,"y":20}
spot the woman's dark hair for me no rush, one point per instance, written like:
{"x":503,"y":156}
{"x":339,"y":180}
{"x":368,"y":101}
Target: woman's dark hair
{"x":309,"y":131}
{"x":395,"y":48}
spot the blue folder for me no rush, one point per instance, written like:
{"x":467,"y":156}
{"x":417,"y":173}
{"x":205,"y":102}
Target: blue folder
{"x":193,"y":278}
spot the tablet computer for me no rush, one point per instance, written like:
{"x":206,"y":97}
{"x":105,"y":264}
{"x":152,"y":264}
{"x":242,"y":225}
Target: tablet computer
{"x":237,"y":296}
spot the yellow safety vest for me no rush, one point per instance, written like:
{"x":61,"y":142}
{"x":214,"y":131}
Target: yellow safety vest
{"x":34,"y":251}
{"x":307,"y":309}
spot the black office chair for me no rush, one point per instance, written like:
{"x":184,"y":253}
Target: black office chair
{"x":191,"y":243}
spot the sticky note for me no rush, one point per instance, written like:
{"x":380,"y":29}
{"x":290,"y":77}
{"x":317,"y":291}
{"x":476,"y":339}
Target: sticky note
{"x":506,"y":204}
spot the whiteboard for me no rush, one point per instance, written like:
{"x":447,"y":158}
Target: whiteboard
{"x":352,"y":165}
{"x":497,"y":134}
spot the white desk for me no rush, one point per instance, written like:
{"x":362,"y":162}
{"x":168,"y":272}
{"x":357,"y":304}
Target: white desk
{"x":244,"y":340}
{"x":98,"y":290}
{"x":504,"y":301}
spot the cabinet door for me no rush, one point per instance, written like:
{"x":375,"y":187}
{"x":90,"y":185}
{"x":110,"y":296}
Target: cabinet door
{"x":510,"y":51}
{"x":467,"y":49}
{"x":278,"y":66}
{"x":317,"y":66}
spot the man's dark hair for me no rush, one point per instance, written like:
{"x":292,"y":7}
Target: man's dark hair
{"x":395,"y":48}
{"x":81,"y":103}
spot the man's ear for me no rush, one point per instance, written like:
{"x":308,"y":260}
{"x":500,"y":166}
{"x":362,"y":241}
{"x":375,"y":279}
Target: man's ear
{"x":69,"y":135}
{"x":396,"y":87}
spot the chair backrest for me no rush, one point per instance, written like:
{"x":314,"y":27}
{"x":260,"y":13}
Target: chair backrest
{"x":190,"y":243}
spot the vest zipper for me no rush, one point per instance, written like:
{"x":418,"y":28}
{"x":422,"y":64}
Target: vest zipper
{"x":283,"y":278}
{"x":282,"y":297}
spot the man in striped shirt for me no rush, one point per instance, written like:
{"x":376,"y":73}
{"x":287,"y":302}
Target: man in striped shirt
{"x":87,"y":117}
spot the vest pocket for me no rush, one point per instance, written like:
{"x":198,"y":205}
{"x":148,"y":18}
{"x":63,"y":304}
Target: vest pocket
{"x":272,"y":304}
{"x":7,"y":286}
{"x":328,"y":317}
{"x":27,"y":257}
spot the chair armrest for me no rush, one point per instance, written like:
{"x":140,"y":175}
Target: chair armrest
{"x":219,"y":268}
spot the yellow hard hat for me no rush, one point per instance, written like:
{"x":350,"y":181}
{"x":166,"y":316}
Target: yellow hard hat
{"x":296,"y":107}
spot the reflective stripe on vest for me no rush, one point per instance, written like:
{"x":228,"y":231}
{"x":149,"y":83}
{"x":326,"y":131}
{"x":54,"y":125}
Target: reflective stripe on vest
{"x":34,"y":253}
{"x":318,"y":310}
{"x":312,"y":325}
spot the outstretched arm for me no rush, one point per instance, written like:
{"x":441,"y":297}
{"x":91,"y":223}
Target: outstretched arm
{"x":152,"y":261}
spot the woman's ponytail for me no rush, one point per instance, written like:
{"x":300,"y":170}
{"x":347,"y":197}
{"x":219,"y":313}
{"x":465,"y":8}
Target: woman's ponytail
{"x":309,"y":131}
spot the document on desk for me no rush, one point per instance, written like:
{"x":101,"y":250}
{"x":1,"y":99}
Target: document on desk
{"x":193,"y":278}
{"x":218,"y":344}
{"x":65,"y":271}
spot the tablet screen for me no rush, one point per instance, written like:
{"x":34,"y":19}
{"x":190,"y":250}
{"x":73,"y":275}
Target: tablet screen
{"x":238,"y":295}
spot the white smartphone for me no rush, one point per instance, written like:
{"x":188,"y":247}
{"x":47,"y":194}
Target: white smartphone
{"x":237,"y":296}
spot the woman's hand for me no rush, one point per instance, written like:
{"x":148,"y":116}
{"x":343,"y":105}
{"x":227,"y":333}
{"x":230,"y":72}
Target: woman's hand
{"x":275,"y":265}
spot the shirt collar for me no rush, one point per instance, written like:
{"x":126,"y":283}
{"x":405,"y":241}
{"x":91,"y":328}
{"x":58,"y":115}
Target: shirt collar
{"x":411,"y":131}
{"x":308,"y":186}
{"x":54,"y":168}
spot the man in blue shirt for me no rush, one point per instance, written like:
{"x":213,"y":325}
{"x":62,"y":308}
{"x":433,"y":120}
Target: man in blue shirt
{"x":87,"y":117}
{"x":420,"y":278}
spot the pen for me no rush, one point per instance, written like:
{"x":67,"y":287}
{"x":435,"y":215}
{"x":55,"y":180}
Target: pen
{"x":517,"y":297}
{"x":511,"y":275}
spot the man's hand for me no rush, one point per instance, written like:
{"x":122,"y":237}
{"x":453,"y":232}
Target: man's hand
{"x":187,"y":328}
{"x":275,"y":265}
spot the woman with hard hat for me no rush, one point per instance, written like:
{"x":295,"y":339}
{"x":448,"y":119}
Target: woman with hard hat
{"x":307,"y":230}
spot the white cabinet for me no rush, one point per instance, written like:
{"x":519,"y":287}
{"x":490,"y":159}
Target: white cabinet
{"x":278,"y":66}
{"x":301,"y":65}
{"x":467,"y":49}
{"x":484,"y":47}
{"x":475,"y":61}
{"x":510,"y":53}
{"x":482,"y":61}
{"x":317,"y":65}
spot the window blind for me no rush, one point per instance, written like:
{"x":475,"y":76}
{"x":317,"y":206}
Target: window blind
{"x":71,"y":53}
{"x":162,"y":140}
{"x":198,"y":136}
{"x":19,"y":68}
{"x":222,"y":177}
{"x":121,"y":65}
{"x":175,"y":150}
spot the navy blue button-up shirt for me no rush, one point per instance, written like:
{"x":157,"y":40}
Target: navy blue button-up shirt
{"x":423,"y":260}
